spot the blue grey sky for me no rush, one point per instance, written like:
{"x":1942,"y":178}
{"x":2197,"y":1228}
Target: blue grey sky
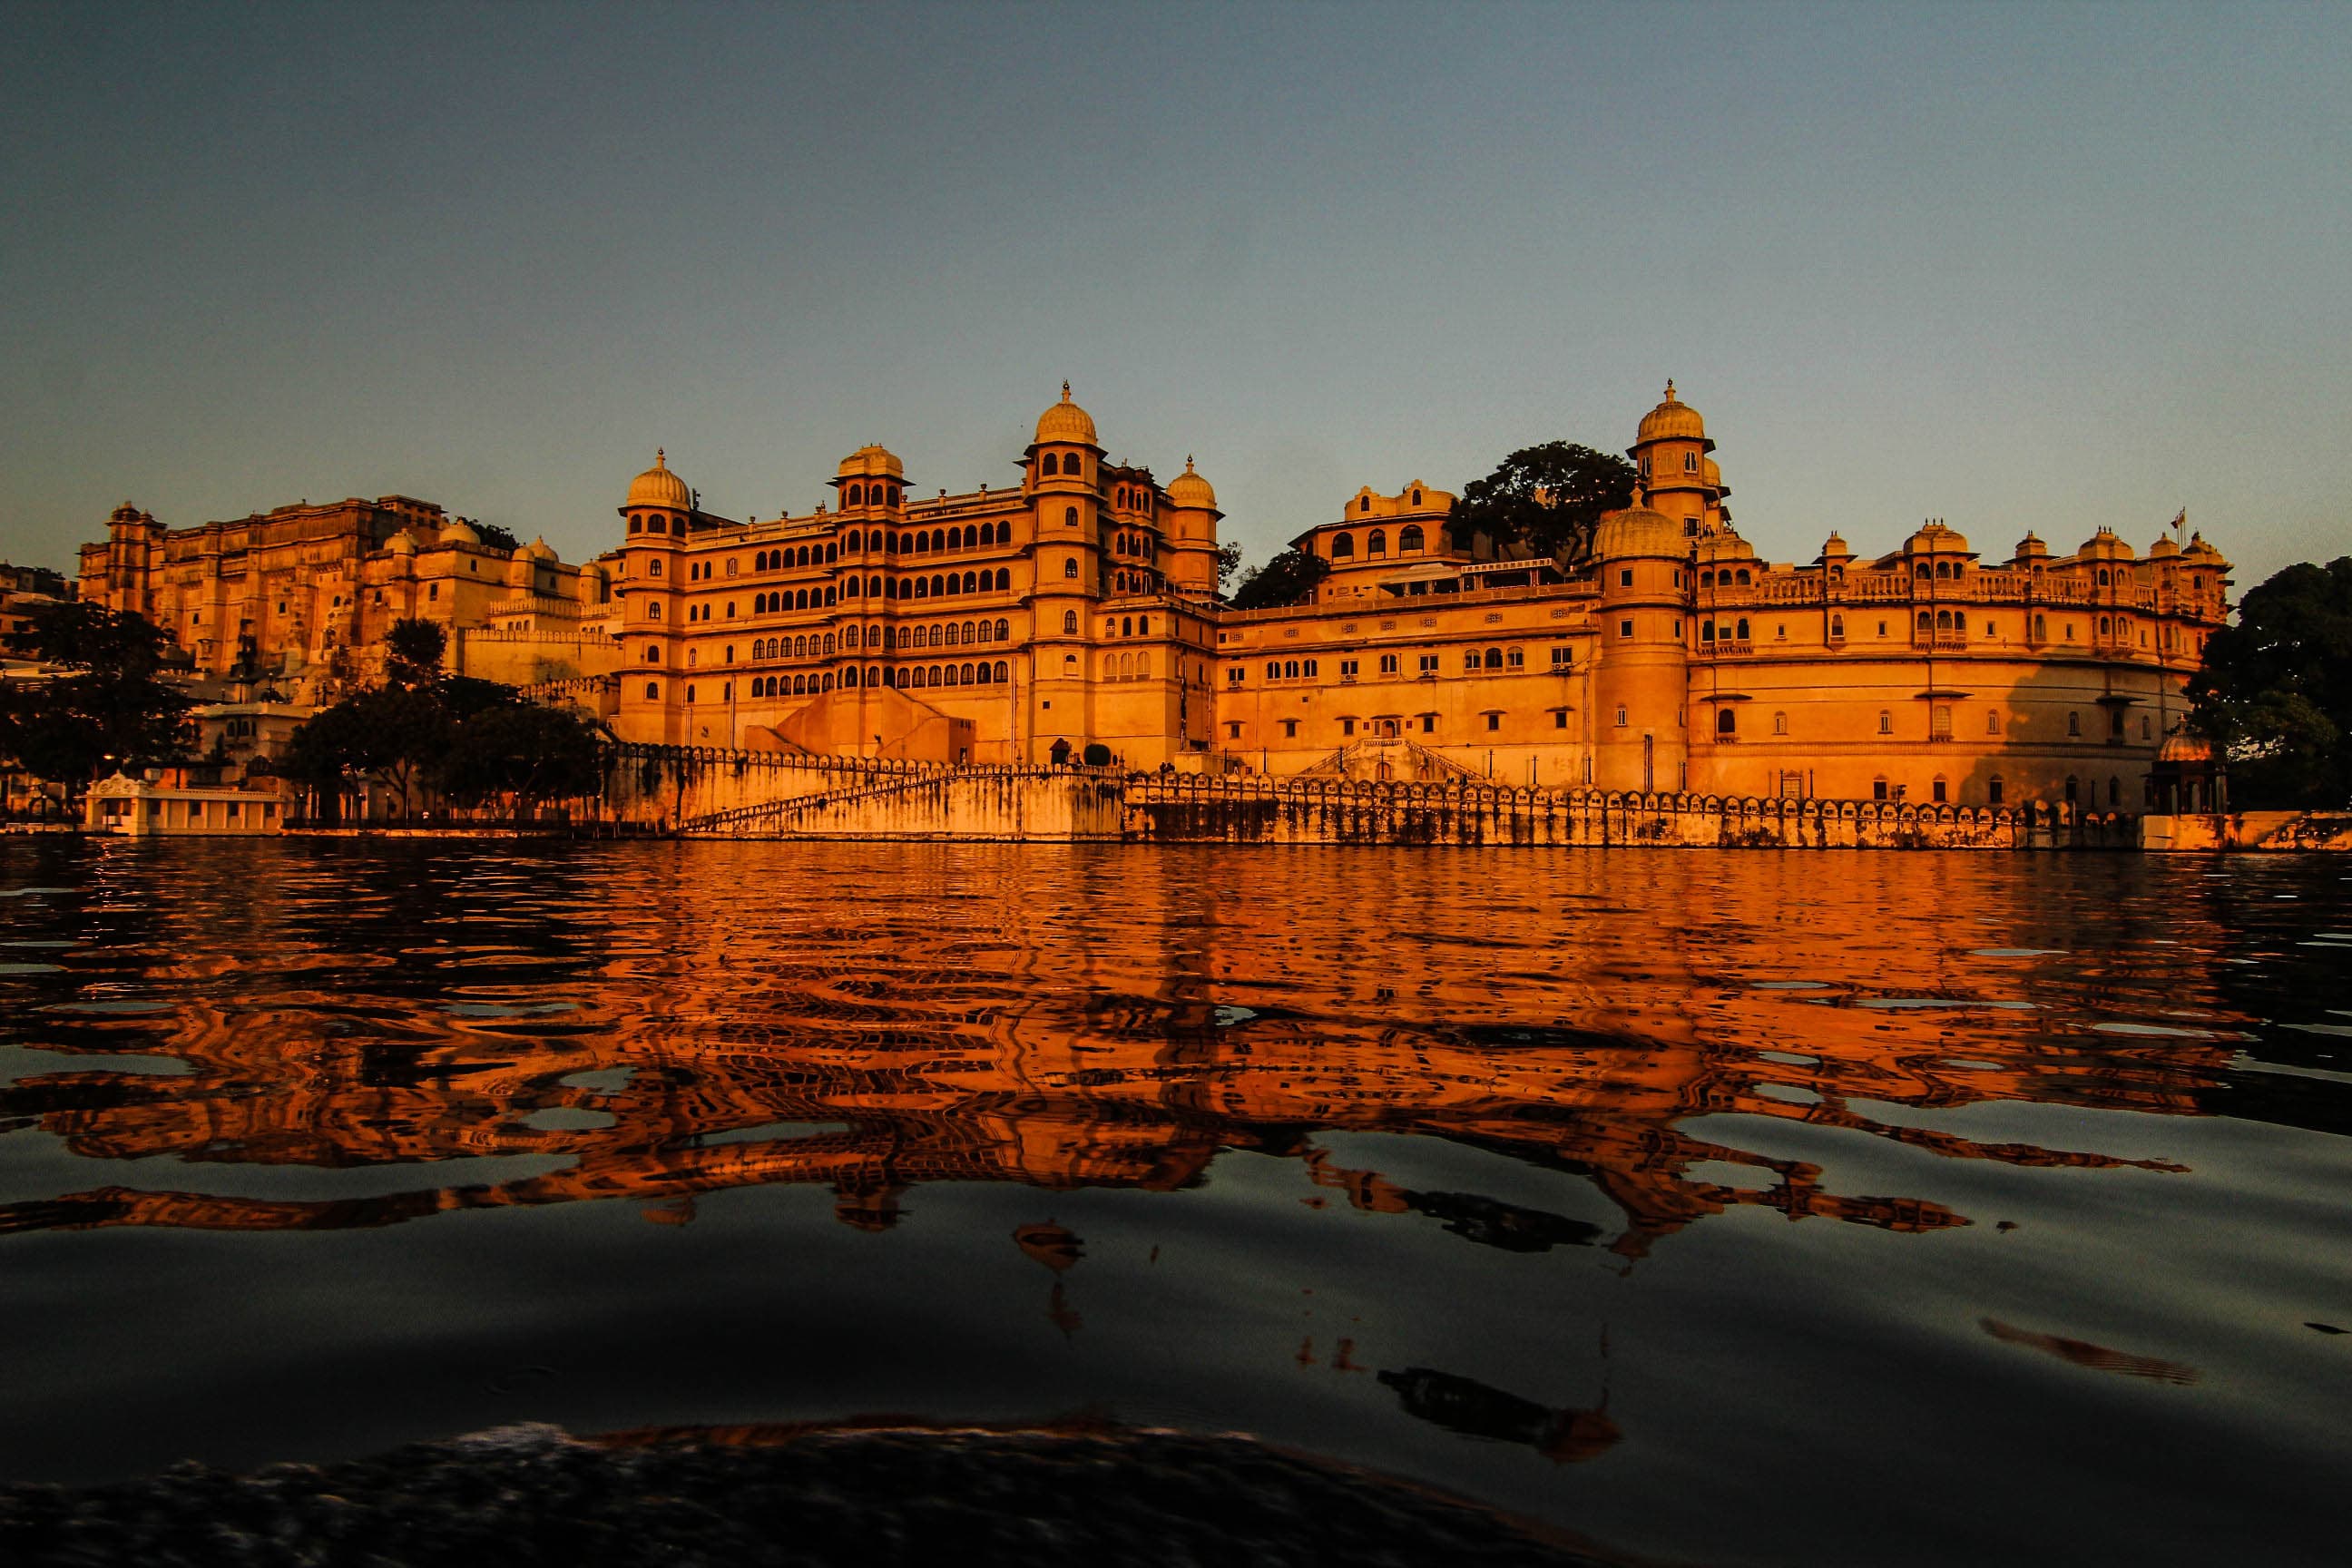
{"x":2016,"y":267}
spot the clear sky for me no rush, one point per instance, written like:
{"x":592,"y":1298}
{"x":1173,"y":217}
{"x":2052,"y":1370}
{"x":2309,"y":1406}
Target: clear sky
{"x":2024,"y":265}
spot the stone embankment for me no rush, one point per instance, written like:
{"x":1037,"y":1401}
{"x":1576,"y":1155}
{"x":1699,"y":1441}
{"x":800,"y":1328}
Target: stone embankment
{"x":710,"y":793}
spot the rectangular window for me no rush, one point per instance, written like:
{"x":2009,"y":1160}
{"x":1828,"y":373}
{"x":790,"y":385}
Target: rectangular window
{"x":1388,"y":663}
{"x":1429,"y":724}
{"x":1233,"y":731}
{"x":1289,"y":728}
{"x":1233,"y":676}
{"x":1346,"y":726}
{"x":1429,"y":664}
{"x":1560,"y":718}
{"x":1624,"y":628}
{"x":1517,"y":658}
{"x":1347,"y":669}
{"x":1561,"y":658}
{"x":1494,"y":721}
{"x":1625,"y":578}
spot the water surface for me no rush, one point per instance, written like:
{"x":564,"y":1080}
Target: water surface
{"x":1819,"y":1208}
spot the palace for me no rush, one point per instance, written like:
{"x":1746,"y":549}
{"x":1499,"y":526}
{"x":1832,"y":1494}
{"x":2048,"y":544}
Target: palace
{"x":1078,"y":607}
{"x":305,"y":594}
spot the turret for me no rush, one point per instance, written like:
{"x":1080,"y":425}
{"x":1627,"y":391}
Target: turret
{"x":1670,"y":449}
{"x":1641,"y":666}
{"x":1060,"y":474}
{"x":1193,"y":518}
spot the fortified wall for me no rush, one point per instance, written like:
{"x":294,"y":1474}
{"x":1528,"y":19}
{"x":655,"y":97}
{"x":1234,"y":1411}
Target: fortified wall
{"x":704,"y":792}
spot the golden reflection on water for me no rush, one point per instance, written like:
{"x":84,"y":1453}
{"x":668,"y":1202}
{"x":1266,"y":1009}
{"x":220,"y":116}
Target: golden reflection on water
{"x":657,"y":1023}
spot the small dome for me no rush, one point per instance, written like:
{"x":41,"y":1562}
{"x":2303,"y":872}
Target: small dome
{"x":1190,"y":490}
{"x":872,"y":462}
{"x":1935,"y":537}
{"x":1066,"y":422}
{"x":1834,"y":548}
{"x":659,"y":487}
{"x":539,"y":548}
{"x":2030,"y":548}
{"x":2198,"y":551}
{"x":1672,"y":420}
{"x":2182,"y":747}
{"x":1713,"y":474}
{"x":2104,"y":545}
{"x":1637,"y":530}
{"x":403,"y":543}
{"x":456,"y":531}
{"x":2163,"y":550}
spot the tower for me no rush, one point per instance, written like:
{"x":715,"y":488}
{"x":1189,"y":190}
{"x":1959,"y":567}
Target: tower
{"x":1640,"y":667}
{"x":1062,"y":479}
{"x":1192,"y":533}
{"x":1682,"y":482}
{"x":659,"y":509}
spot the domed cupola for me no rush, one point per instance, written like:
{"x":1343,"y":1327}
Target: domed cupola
{"x":658,"y":486}
{"x":1673,"y":420}
{"x":458,"y":531}
{"x":1065,"y":423}
{"x":1635,"y":531}
{"x":1189,"y":490}
{"x":871,"y":477}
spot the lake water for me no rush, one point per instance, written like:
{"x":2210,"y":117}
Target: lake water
{"x":1733,"y":1208}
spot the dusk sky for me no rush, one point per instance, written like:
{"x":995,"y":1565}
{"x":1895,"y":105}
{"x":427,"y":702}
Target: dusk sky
{"x":2015,"y":266}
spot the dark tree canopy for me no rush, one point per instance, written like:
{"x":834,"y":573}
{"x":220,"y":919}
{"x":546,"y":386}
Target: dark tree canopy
{"x":108,"y":708}
{"x":413,"y":651}
{"x":1229,"y":561}
{"x":1545,"y":499}
{"x":519,"y":749}
{"x":1287,"y":579}
{"x":2275,"y":692}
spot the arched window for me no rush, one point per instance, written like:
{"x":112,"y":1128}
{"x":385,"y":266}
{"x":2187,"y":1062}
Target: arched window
{"x":1004,"y":629}
{"x":1927,"y":622}
{"x":1886,"y":722}
{"x":970,"y":538}
{"x":1070,"y":566}
{"x":1743,"y":577}
{"x":1069,"y":517}
{"x":1837,"y":626}
{"x":1779,"y":724}
{"x":1943,"y":568}
{"x":858,"y":495}
{"x":1621,"y":716}
{"x":1409,"y":539}
{"x":1364,"y":504}
{"x":999,"y":669}
{"x":1004,"y":579}
{"x":937,"y":588}
{"x":656,"y":569}
{"x":653,"y":690}
{"x":1143,"y":666}
{"x":1743,"y":631}
{"x":2102,"y":576}
{"x":653,"y":608}
{"x":2073,"y":728}
{"x":1052,"y":465}
{"x":1942,"y":620}
{"x":1343,"y":546}
{"x":1992,"y":720}
{"x":1493,"y":658}
{"x":1069,"y":623}
{"x":1727,"y":721}
{"x":636,"y":525}
{"x":1377,"y":543}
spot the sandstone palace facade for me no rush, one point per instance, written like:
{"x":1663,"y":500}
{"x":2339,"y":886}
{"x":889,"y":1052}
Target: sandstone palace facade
{"x":1079,"y":606}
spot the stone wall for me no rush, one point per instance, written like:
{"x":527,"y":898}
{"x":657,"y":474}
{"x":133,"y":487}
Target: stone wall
{"x":2271,"y":830}
{"x":708,"y":792}
{"x":1256,"y":810}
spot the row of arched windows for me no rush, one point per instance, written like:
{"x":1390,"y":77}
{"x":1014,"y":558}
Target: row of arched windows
{"x":784,"y":686}
{"x":657,"y":524}
{"x":1072,"y":464}
{"x":1725,"y":578}
{"x":1289,"y":669}
{"x":920,"y":541}
{"x":940,"y":586}
{"x":811,"y":647}
{"x":791,"y":599}
{"x":876,"y":494}
{"x":783,"y":560}
{"x":1943,"y":569}
{"x":982,"y":673}
{"x":1736,"y":630}
{"x":1127,"y":666}
{"x":1132,"y":497}
{"x":1124,"y":543}
{"x":1410,"y":542}
{"x":948,"y":633}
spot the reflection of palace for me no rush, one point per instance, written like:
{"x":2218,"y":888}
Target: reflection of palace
{"x":1078,"y":605}
{"x":878,"y":1057}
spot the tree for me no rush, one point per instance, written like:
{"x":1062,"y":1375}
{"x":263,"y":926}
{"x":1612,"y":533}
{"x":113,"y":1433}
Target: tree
{"x":1287,"y":579}
{"x":413,"y":651}
{"x":1229,"y":561}
{"x":108,"y":709}
{"x":1545,"y":498}
{"x":2275,"y":692}
{"x":519,"y":749}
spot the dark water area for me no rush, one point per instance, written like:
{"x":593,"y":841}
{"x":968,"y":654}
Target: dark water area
{"x":1723,"y":1208}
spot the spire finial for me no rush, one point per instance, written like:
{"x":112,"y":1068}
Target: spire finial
{"x":661,"y":459}
{"x":1670,"y":389}
{"x":1065,"y":390}
{"x":1188,"y":462}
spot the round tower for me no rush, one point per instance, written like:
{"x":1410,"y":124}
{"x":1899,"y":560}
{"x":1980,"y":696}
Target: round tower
{"x":1670,"y":449}
{"x":659,"y":509}
{"x":1641,"y":672}
{"x":1062,"y":481}
{"x":1192,"y":533}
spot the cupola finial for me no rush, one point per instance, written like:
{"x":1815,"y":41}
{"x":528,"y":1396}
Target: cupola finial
{"x":1065,"y":390}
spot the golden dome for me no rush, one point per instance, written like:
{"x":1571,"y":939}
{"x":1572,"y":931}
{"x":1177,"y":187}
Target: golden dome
{"x":1637,"y":530}
{"x":539,"y":548}
{"x":2162,"y":547}
{"x":872,"y":462}
{"x":457,"y":531}
{"x":1067,"y":422}
{"x":403,"y":543}
{"x":1190,"y":490}
{"x":1672,"y":420}
{"x":658,"y":486}
{"x":1711,"y":473}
